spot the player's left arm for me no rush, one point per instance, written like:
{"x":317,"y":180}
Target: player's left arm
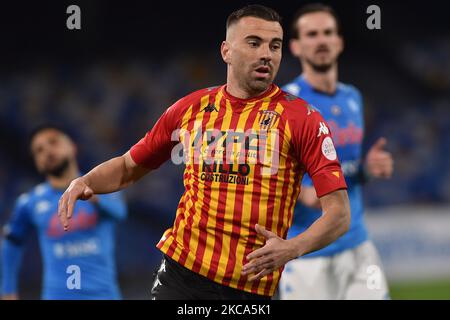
{"x":15,"y":234}
{"x":333,"y":223}
{"x":314,"y":148}
{"x":308,"y":196}
{"x":120,"y":172}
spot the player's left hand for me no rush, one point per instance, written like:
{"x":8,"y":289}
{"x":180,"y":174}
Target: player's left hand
{"x":275,"y":253}
{"x":379,"y":162}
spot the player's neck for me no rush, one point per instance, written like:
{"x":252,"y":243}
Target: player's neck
{"x":240,"y":93}
{"x":237,"y":91}
{"x":64,"y":180}
{"x":322,"y":81}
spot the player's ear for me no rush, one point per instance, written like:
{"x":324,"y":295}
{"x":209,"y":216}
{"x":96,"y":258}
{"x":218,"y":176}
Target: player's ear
{"x":225,"y":51}
{"x":294,"y":45}
{"x":340,"y":44}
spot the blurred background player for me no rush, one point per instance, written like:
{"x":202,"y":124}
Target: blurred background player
{"x":90,"y":243}
{"x":340,"y":270}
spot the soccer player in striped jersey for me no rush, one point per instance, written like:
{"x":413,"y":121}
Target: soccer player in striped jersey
{"x":246,"y":146}
{"x":349,"y":268}
{"x":78,"y":264}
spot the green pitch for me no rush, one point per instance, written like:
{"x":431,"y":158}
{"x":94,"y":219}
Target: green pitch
{"x":436,"y":289}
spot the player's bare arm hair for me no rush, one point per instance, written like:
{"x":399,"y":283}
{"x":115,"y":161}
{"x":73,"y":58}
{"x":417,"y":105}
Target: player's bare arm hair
{"x":114,"y":174}
{"x":334,"y":222}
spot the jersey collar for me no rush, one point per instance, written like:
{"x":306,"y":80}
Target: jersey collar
{"x":271,"y":92}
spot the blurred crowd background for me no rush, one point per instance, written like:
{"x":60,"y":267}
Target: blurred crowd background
{"x":109,"y":82}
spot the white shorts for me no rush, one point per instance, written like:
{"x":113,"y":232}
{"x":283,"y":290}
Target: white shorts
{"x":349,"y":275}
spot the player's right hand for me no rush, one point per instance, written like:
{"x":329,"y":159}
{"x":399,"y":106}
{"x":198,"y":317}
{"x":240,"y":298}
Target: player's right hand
{"x":379,"y":162}
{"x":11,"y":296}
{"x":77,"y":189}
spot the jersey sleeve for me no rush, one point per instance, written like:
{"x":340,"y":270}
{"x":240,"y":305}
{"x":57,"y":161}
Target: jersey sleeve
{"x":19,"y":226}
{"x":156,"y":146}
{"x":314,"y":148}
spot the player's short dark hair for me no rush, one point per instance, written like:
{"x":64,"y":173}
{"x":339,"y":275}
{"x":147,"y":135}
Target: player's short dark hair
{"x":253,"y":10}
{"x":313,"y":8}
{"x":47,"y":126}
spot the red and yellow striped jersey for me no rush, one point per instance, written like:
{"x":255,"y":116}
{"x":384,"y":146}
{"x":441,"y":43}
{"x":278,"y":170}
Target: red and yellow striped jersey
{"x":244,"y":163}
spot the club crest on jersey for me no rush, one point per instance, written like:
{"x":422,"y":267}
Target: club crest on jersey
{"x":267,"y":119}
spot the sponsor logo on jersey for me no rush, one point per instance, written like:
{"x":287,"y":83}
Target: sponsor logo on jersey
{"x":342,"y":136}
{"x":81,"y":220}
{"x":328,"y":149}
{"x":210,"y":108}
{"x":228,"y":173}
{"x":323,"y":129}
{"x":72,"y":249}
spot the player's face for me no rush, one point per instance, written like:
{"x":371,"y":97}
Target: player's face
{"x":253,"y":53}
{"x":319,"y":43}
{"x":52,"y":151}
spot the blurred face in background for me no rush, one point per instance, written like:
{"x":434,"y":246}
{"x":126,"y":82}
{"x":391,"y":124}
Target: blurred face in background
{"x":319,"y":44}
{"x":53,"y":152}
{"x":252,"y":51}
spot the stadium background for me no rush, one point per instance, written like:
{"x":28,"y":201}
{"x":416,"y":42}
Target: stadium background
{"x":109,"y":82}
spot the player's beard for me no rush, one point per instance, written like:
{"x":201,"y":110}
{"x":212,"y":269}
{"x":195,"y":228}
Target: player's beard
{"x":57,"y":170}
{"x":257,"y":86}
{"x":322,"y":63}
{"x":320,"y":67}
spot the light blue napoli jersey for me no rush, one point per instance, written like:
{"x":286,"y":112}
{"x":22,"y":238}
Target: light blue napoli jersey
{"x":85,"y":250}
{"x":343,"y":112}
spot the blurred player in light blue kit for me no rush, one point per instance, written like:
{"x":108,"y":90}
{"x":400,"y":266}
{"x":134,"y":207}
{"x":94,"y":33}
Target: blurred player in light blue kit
{"x":342,"y":269}
{"x":79,"y":263}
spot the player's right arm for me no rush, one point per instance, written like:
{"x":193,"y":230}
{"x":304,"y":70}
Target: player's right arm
{"x":110,"y":176}
{"x":118,"y":173}
{"x":313,"y":147}
{"x":15,"y":234}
